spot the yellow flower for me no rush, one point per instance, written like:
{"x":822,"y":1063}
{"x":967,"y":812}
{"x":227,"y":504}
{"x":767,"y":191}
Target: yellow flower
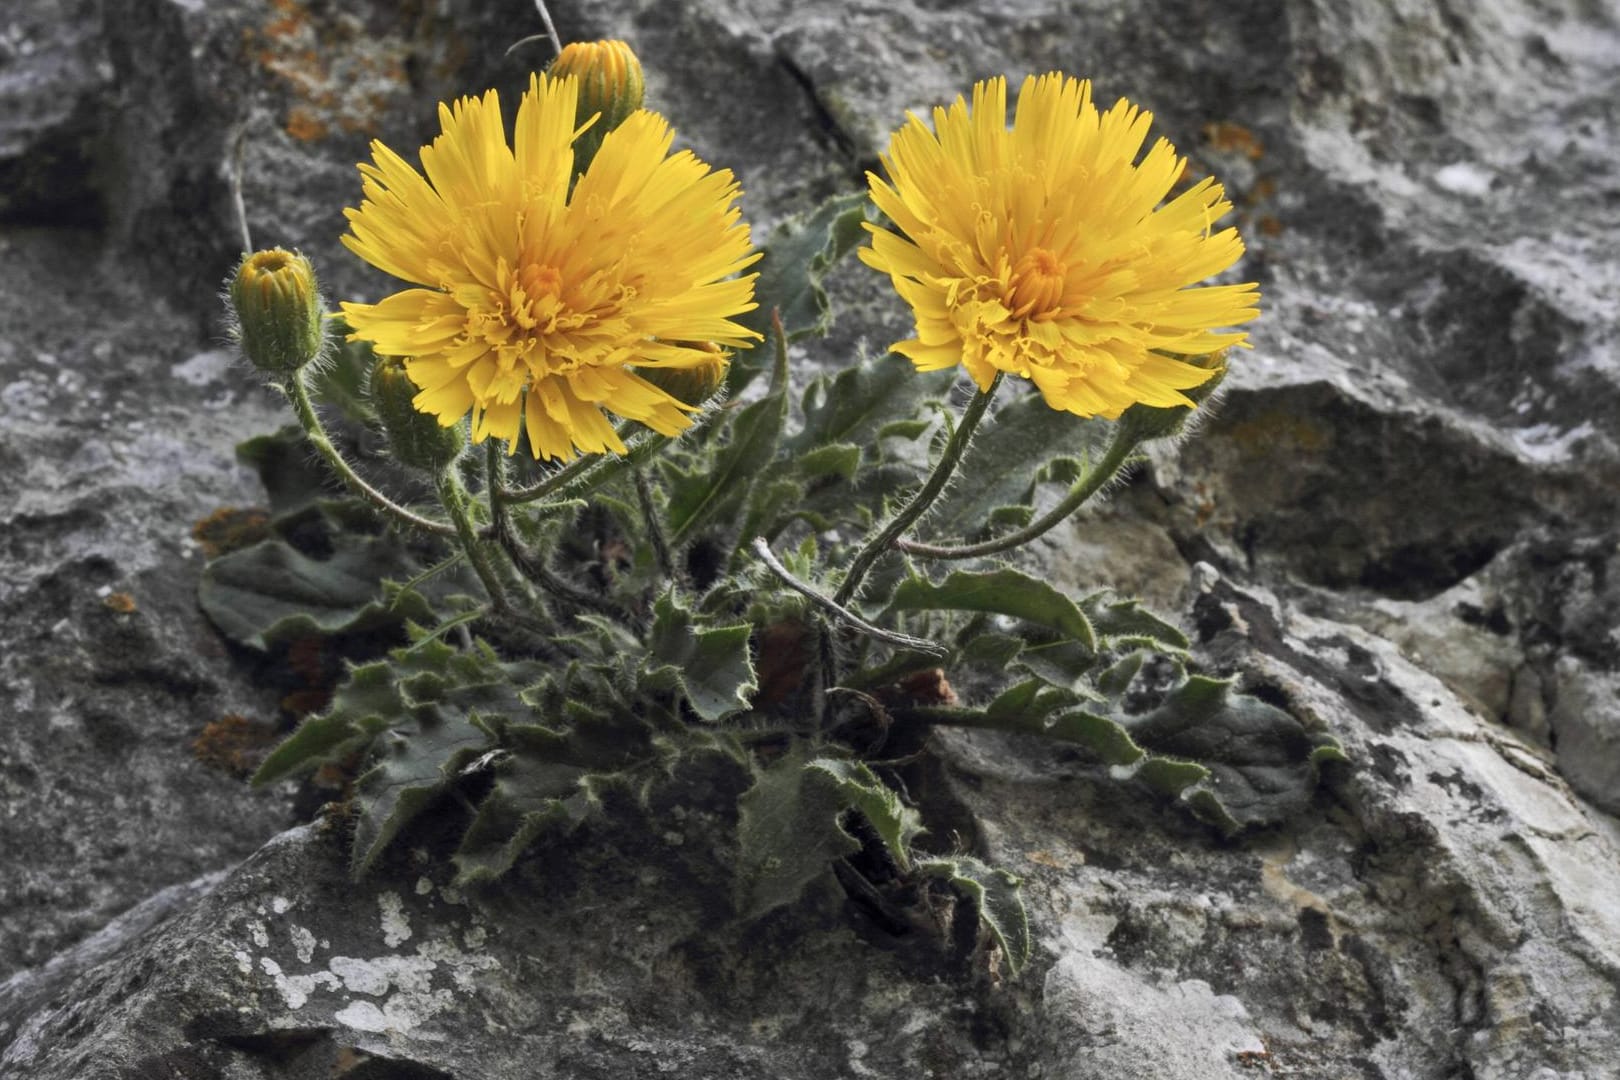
{"x":538,"y":303}
{"x":1042,"y":250}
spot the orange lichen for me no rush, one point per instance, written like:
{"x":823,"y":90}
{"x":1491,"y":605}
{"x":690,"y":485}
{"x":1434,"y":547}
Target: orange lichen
{"x":234,"y":744}
{"x":341,"y":73}
{"x":229,"y":529}
{"x":121,"y":602}
{"x":1279,"y":430}
{"x":1225,"y":137}
{"x":303,"y":126}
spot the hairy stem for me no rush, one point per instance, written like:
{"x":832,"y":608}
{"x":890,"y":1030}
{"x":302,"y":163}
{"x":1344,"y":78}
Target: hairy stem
{"x":316,"y":433}
{"x":920,"y":502}
{"x":837,"y":610}
{"x":457,"y":503}
{"x":655,"y":527}
{"x":1118,"y":454}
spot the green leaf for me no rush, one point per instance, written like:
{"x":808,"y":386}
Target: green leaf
{"x":343,"y":380}
{"x":797,"y":258}
{"x":710,"y":666}
{"x":833,"y":459}
{"x":361,"y":706}
{"x":294,"y":478}
{"x":698,"y":495}
{"x":857,"y":787}
{"x":866,"y":402}
{"x":420,"y":761}
{"x":531,"y":797}
{"x":1260,"y":764}
{"x":1002,"y":592}
{"x":272,"y":592}
{"x":1125,"y":622}
{"x":787,"y":834}
{"x":1022,"y":445}
{"x":997,"y":896}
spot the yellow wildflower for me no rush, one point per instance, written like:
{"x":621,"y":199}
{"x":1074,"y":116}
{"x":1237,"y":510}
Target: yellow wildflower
{"x":1042,"y":250}
{"x":537,"y":304}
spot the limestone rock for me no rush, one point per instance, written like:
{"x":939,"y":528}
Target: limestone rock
{"x":1406,"y":494}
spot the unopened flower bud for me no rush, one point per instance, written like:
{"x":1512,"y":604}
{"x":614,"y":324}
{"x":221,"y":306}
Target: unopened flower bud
{"x":1141,"y":423}
{"x":278,"y":311}
{"x":415,"y":438}
{"x":696,"y":384}
{"x":610,"y":88}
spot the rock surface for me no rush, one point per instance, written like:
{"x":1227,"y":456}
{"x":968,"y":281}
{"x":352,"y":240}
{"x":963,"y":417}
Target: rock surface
{"x":1403,"y":509}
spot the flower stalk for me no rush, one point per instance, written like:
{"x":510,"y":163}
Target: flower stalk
{"x":955,"y":446}
{"x":315,"y":431}
{"x":1118,"y":455}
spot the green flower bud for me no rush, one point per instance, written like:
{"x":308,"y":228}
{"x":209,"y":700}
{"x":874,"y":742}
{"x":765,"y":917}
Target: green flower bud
{"x":416,"y":438}
{"x":279,"y":311}
{"x":610,"y":88}
{"x":1140,"y":423}
{"x":696,"y":384}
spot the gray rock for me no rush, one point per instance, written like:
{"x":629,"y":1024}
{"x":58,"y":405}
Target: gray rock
{"x":1411,"y":476}
{"x":1445,"y":909}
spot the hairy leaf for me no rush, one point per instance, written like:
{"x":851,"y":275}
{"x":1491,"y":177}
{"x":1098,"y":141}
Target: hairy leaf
{"x":421,"y":758}
{"x":1124,"y":622}
{"x":362,"y":706}
{"x":997,"y":896}
{"x":723,"y":482}
{"x":856,"y":786}
{"x":869,"y":401}
{"x":787,"y":834}
{"x":1025,"y":444}
{"x":272,"y":592}
{"x":1261,"y":763}
{"x":1002,"y":592}
{"x":710,"y":666}
{"x":797,"y":258}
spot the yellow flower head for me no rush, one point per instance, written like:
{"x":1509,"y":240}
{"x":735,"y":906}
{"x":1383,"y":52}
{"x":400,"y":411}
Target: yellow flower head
{"x":537,"y":304}
{"x":1042,"y":250}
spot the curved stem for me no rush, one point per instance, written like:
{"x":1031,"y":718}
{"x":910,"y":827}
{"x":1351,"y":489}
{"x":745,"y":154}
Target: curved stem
{"x":551,"y":28}
{"x":586,"y":466}
{"x":920,"y":502}
{"x":456,"y":501}
{"x":1119,"y":452}
{"x":838,"y":611}
{"x":316,"y":433}
{"x":548,"y":484}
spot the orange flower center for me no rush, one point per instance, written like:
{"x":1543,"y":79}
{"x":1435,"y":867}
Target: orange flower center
{"x":538,"y":281}
{"x":1036,"y":286}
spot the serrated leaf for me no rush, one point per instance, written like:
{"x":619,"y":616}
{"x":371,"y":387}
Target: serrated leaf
{"x":1002,"y":592}
{"x":857,"y":787}
{"x":998,"y":898}
{"x":1123,"y":620}
{"x":531,"y":797}
{"x":361,"y":706}
{"x":797,"y":258}
{"x":418,"y":764}
{"x":862,"y":404}
{"x":272,"y":592}
{"x":1260,"y":762}
{"x":833,"y":459}
{"x":710,"y":666}
{"x":787,"y":835}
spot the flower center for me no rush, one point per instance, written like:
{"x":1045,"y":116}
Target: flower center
{"x":538,"y":281}
{"x":1036,"y":286}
